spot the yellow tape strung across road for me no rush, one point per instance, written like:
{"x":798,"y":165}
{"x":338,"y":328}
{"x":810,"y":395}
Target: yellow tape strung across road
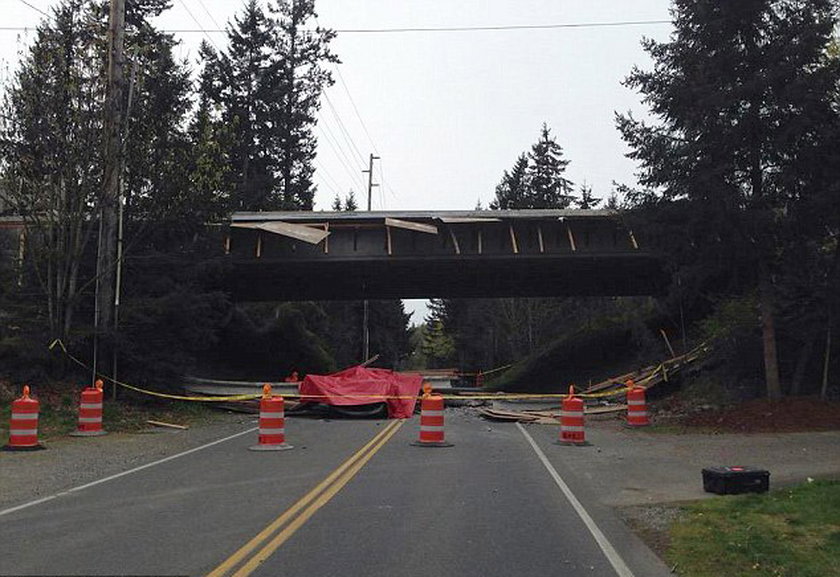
{"x":485,"y":373}
{"x":153,"y":393}
{"x":369,"y":398}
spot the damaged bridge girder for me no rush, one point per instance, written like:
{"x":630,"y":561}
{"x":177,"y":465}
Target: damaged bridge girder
{"x":338,"y":256}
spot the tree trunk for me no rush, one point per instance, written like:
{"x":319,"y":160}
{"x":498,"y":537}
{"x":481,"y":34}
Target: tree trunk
{"x":805,"y":354}
{"x":826,"y":362}
{"x":768,"y":336}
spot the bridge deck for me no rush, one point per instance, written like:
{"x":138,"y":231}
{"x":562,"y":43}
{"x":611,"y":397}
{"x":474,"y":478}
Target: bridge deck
{"x":352,"y":255}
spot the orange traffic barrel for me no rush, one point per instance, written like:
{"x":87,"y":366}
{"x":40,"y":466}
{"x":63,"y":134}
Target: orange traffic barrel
{"x":571,"y":420}
{"x":636,"y":407}
{"x":23,"y":429}
{"x":431,"y":422}
{"x":90,"y":412}
{"x":272,"y":430}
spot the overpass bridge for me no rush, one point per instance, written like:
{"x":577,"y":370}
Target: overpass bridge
{"x":421,"y":254}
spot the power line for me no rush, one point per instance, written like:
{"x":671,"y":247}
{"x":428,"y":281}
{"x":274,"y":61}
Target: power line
{"x":502,"y":28}
{"x":325,"y":175}
{"x":206,"y":11}
{"x":35,"y":8}
{"x":355,"y":109}
{"x":343,"y":129}
{"x":339,"y":153}
{"x":206,"y":35}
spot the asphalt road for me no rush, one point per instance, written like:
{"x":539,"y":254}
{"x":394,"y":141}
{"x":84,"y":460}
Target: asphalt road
{"x":500,"y":502}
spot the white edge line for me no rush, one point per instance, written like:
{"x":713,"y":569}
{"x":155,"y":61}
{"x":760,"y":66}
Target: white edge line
{"x":610,"y":552}
{"x":123,"y":474}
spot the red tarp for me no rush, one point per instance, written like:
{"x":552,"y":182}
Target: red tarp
{"x":362,"y":386}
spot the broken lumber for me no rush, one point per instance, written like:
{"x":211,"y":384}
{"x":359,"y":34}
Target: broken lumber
{"x":167,"y":425}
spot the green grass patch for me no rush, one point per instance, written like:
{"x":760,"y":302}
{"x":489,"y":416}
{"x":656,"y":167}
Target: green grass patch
{"x":785,"y":533}
{"x":59,"y":416}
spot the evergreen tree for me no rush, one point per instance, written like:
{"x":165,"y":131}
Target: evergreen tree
{"x":548,"y":187}
{"x":301,"y":54}
{"x":350,"y":202}
{"x":156,"y":181}
{"x":242,"y":82}
{"x":587,"y":200}
{"x":514,"y":190}
{"x":745,"y":99}
{"x":267,"y":86}
{"x":336,"y":205}
{"x":438,"y":346}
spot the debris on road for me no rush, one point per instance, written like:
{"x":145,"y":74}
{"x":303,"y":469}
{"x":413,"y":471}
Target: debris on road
{"x":167,"y":425}
{"x":542,"y":417}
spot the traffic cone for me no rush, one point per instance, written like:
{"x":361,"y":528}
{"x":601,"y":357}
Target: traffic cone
{"x":90,"y":412}
{"x":571,"y":420}
{"x":636,"y":406}
{"x":431,"y":421}
{"x":272,"y":433}
{"x":23,"y":429}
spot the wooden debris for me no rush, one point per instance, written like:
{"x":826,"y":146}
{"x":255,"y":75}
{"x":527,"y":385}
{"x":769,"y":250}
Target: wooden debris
{"x":167,"y":425}
{"x":541,"y":417}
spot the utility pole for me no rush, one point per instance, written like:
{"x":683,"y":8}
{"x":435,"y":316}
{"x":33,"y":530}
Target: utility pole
{"x":365,"y":309}
{"x":109,"y":200}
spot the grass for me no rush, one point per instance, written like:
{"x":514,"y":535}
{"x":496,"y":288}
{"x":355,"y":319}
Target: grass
{"x":59,"y":413}
{"x":786,"y":533}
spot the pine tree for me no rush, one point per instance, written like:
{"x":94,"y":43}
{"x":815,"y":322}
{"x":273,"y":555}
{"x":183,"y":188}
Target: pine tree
{"x":548,"y":187}
{"x":514,"y":190}
{"x":301,"y":54}
{"x":743,"y":94}
{"x":587,"y":200}
{"x":350,"y":202}
{"x":241,"y":82}
{"x":267,"y":85}
{"x":336,"y":205}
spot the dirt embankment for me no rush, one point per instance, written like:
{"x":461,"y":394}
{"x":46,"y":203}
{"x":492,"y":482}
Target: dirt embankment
{"x":789,"y":415}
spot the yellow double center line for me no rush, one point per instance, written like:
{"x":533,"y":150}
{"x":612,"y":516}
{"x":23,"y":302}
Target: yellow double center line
{"x":261,"y":547}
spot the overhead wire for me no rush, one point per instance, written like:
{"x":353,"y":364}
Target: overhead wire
{"x":355,"y":175}
{"x":194,"y":19}
{"x":209,"y":14}
{"x":343,"y":129}
{"x":458,"y":29}
{"x":327,"y":178}
{"x":35,"y":8}
{"x":355,"y":108}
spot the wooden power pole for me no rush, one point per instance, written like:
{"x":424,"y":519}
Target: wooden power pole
{"x":366,"y":310}
{"x":106,"y":261}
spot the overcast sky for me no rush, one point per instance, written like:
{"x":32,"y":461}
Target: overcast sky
{"x":448,"y":112}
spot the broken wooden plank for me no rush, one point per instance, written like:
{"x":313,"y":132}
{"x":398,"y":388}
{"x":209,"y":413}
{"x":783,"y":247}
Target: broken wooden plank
{"x":295,"y":231}
{"x":167,"y":425}
{"x":512,"y":416}
{"x":414,"y":226}
{"x":604,"y":410}
{"x":466,"y":220}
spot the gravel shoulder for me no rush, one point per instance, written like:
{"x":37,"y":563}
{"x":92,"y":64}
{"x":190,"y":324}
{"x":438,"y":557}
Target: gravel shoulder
{"x":646,"y":476}
{"x":71,"y":461}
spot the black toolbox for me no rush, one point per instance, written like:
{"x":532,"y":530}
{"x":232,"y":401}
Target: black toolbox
{"x":734,"y":480}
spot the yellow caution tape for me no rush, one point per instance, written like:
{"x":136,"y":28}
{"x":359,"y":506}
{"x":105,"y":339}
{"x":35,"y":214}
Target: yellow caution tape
{"x":485,"y":373}
{"x":57,"y":342}
{"x":370,"y":398}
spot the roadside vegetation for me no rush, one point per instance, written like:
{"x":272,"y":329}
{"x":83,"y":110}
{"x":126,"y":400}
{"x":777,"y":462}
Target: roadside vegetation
{"x":786,"y":533}
{"x":59,"y":412}
{"x":738,"y":186}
